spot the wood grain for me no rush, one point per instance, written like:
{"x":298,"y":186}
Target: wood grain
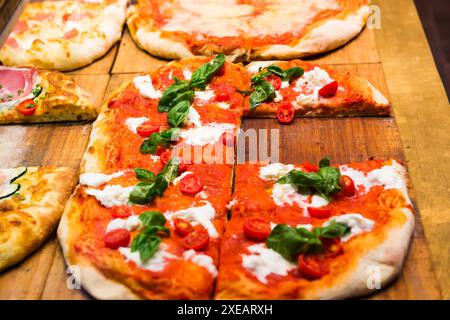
{"x":423,"y":117}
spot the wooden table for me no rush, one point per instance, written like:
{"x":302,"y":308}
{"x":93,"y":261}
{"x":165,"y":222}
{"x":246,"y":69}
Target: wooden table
{"x":395,"y":58}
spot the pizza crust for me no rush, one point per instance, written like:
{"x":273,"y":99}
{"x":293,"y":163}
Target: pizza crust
{"x":26,"y":224}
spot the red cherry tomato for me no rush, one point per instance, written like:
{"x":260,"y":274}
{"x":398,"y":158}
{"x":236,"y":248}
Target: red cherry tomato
{"x":146,"y":129}
{"x":329,"y":90}
{"x":198,"y":239}
{"x":285,"y":113}
{"x":319,"y":213}
{"x":222,"y":97}
{"x":274,"y":80}
{"x":165,"y":157}
{"x":159,"y":150}
{"x":182,"y":167}
{"x":257,"y":229}
{"x":348,"y":186}
{"x":333,"y":247}
{"x":312,"y":267}
{"x":221,"y":71}
{"x":27,"y":107}
{"x":117,"y":238}
{"x":309,"y":167}
{"x":182,"y":227}
{"x":228,"y":139}
{"x":121,"y":212}
{"x":191,"y":184}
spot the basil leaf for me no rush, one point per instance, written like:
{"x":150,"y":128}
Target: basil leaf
{"x":331,"y":180}
{"x":163,"y":138}
{"x":37,"y":90}
{"x":152,"y":218}
{"x":178,"y":114}
{"x":262,"y":92}
{"x":202,"y":75}
{"x":142,"y":193}
{"x":325,"y":162}
{"x":333,"y":230}
{"x":144,"y":175}
{"x":146,"y":244}
{"x":166,"y":176}
{"x":295,"y":72}
{"x":178,"y":91}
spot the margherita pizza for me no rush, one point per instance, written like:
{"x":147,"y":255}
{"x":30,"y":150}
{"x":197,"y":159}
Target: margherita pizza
{"x":314,"y":232}
{"x":30,"y":95}
{"x":31,"y":203}
{"x":245,"y":29}
{"x":63,"y":35}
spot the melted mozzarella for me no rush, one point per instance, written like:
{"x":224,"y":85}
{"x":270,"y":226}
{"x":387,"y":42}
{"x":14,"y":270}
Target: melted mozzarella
{"x":202,"y":260}
{"x":283,"y":194}
{"x":131,"y":223}
{"x":223,"y":105}
{"x":274,"y":171}
{"x":133,"y":123}
{"x":310,"y":83}
{"x":93,"y":179}
{"x":145,"y":86}
{"x":263,"y":261}
{"x":156,"y":263}
{"x":197,"y":215}
{"x":187,"y":74}
{"x":205,"y":95}
{"x":355,"y":221}
{"x":111,"y":195}
{"x":205,"y":134}
{"x":194,"y":117}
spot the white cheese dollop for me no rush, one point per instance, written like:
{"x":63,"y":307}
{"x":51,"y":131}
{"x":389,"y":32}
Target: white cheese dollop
{"x":205,"y":95}
{"x":133,"y":123}
{"x":206,"y":134}
{"x":130,"y":223}
{"x":155,"y":263}
{"x":187,"y":74}
{"x":94,"y":179}
{"x":145,"y":86}
{"x":310,"y":83}
{"x":202,"y":260}
{"x":111,"y":195}
{"x":197,"y":215}
{"x":355,"y":221}
{"x":194,"y":117}
{"x":263,"y":261}
{"x":274,"y":171}
{"x":223,"y":105}
{"x":283,"y":194}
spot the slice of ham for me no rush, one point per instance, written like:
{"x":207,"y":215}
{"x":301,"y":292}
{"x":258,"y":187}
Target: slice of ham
{"x":17,"y":85}
{"x":20,"y":27}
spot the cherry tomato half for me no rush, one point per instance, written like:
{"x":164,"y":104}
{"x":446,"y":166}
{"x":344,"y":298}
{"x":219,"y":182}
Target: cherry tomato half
{"x":198,"y":239}
{"x":146,"y":129}
{"x":222,"y":97}
{"x":27,"y":107}
{"x":333,"y":247}
{"x":309,"y":167}
{"x":329,"y":90}
{"x":274,"y":81}
{"x":257,"y":229}
{"x":319,"y":213}
{"x":285,"y":113}
{"x":121,"y":212}
{"x":191,"y":184}
{"x":182,"y":227}
{"x":117,"y":238}
{"x":348,"y":186}
{"x":165,"y":157}
{"x":312,"y":267}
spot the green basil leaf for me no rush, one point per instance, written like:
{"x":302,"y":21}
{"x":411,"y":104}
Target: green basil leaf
{"x":166,"y":176}
{"x":325,"y":162}
{"x":144,"y":175}
{"x":331,"y":180}
{"x":295,"y":72}
{"x":142,"y":193}
{"x":202,"y":75}
{"x":152,"y":218}
{"x":178,"y":91}
{"x":263,"y":91}
{"x":163,"y":138}
{"x":178,"y":114}
{"x":37,"y":90}
{"x":333,"y":230}
{"x":146,"y":244}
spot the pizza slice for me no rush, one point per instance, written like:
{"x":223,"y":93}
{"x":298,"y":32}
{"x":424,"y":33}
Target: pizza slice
{"x":63,"y":35}
{"x":31,"y":203}
{"x":315,"y":232}
{"x":31,"y":95}
{"x":245,"y":30}
{"x":136,"y":234}
{"x":285,"y":88}
{"x":190,"y":108}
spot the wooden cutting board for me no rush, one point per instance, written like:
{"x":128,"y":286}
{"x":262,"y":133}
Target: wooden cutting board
{"x":43,"y":274}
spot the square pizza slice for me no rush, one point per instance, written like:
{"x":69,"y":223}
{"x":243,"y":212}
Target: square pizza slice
{"x":315,"y":232}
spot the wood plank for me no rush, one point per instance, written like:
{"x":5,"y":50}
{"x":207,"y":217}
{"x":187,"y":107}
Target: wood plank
{"x":349,"y":54}
{"x":103,"y":65}
{"x":422,"y":111}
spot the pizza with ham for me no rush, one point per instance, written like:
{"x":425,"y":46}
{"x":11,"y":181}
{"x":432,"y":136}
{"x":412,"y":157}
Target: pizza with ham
{"x":63,"y":35}
{"x":135,"y":234}
{"x":245,"y":29}
{"x":31,"y":203}
{"x":315,"y":231}
{"x":31,"y":95}
{"x":288,"y":88}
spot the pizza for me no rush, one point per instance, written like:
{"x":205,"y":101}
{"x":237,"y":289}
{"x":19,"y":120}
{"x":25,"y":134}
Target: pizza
{"x":31,"y":95}
{"x":245,"y":30}
{"x":31,"y":203}
{"x":63,"y":35}
{"x":315,"y":232}
{"x":162,"y":111}
{"x":288,"y":88}
{"x":131,"y":243}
